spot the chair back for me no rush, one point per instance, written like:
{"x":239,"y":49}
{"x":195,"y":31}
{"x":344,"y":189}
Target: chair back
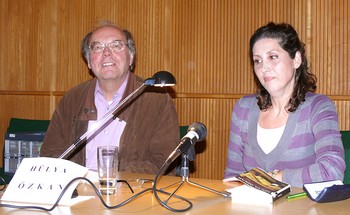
{"x":27,"y":125}
{"x":345,"y":135}
{"x":23,"y":139}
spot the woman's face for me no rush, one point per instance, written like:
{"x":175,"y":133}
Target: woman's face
{"x":274,"y":67}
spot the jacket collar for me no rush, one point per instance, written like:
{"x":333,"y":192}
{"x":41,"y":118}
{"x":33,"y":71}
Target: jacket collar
{"x":133,"y":83}
{"x":89,"y":111}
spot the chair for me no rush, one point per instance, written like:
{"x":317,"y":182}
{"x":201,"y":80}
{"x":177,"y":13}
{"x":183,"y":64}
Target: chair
{"x":27,"y":125}
{"x":18,"y":126}
{"x":183,"y":130}
{"x":345,"y":135}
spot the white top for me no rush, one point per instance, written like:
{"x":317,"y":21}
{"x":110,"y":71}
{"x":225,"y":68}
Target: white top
{"x":268,"y":138}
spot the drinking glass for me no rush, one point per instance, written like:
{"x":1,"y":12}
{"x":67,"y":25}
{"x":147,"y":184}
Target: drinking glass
{"x":107,"y":167}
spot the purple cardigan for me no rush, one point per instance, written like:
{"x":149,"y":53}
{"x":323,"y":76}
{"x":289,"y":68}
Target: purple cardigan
{"x":310,"y":149}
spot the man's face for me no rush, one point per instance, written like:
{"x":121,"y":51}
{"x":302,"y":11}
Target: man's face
{"x":109,"y":63}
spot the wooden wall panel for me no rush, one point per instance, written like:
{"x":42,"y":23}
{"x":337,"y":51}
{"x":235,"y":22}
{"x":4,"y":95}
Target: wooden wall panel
{"x":343,"y":109}
{"x":215,"y":114}
{"x":25,"y":45}
{"x":204,"y":43}
{"x":339,"y":56}
{"x":21,"y":106}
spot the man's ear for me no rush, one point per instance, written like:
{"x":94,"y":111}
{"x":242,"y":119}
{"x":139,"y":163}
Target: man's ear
{"x":131,"y":59}
{"x":88,"y":63}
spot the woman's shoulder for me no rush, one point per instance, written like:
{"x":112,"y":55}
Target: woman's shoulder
{"x":316,"y":98}
{"x":248,"y":100}
{"x":317,"y":102}
{"x":246,"y":103}
{"x":245,"y":106}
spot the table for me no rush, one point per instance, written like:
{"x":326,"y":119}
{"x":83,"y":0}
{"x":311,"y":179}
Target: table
{"x":204,"y":202}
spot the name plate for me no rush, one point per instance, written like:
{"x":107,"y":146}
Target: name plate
{"x":41,"y":180}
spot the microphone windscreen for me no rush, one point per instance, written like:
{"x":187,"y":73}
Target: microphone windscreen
{"x":200,"y":129}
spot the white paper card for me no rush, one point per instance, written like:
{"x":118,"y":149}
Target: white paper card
{"x":40,"y":180}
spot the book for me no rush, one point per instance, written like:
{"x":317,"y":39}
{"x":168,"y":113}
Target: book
{"x":327,"y":191}
{"x":258,"y":187}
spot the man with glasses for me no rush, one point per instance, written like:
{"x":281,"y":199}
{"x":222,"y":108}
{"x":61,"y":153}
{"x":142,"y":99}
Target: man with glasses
{"x":146,"y":130}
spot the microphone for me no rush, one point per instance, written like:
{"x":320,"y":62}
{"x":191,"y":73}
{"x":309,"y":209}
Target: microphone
{"x":196,"y":132}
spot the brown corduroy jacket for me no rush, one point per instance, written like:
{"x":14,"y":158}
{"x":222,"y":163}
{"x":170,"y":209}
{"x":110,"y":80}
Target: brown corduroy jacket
{"x":150,"y":135}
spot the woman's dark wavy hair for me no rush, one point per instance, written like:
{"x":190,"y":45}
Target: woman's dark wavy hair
{"x":290,"y":42}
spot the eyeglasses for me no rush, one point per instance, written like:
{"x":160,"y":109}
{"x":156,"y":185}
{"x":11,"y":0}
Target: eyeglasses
{"x":136,"y":183}
{"x":127,"y":183}
{"x":140,"y":183}
{"x":115,"y":46}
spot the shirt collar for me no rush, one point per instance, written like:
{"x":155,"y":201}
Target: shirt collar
{"x":118,"y":95}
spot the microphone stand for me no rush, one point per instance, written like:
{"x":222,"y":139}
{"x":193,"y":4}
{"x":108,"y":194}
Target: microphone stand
{"x":185,"y":172}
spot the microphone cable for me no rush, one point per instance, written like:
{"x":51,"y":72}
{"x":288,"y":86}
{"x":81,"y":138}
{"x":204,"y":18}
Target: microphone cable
{"x":96,"y":191}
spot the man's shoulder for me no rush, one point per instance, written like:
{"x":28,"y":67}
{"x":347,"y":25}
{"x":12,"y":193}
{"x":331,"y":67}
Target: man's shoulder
{"x":82,"y":87}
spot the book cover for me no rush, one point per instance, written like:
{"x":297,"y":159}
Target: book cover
{"x":258,"y":187}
